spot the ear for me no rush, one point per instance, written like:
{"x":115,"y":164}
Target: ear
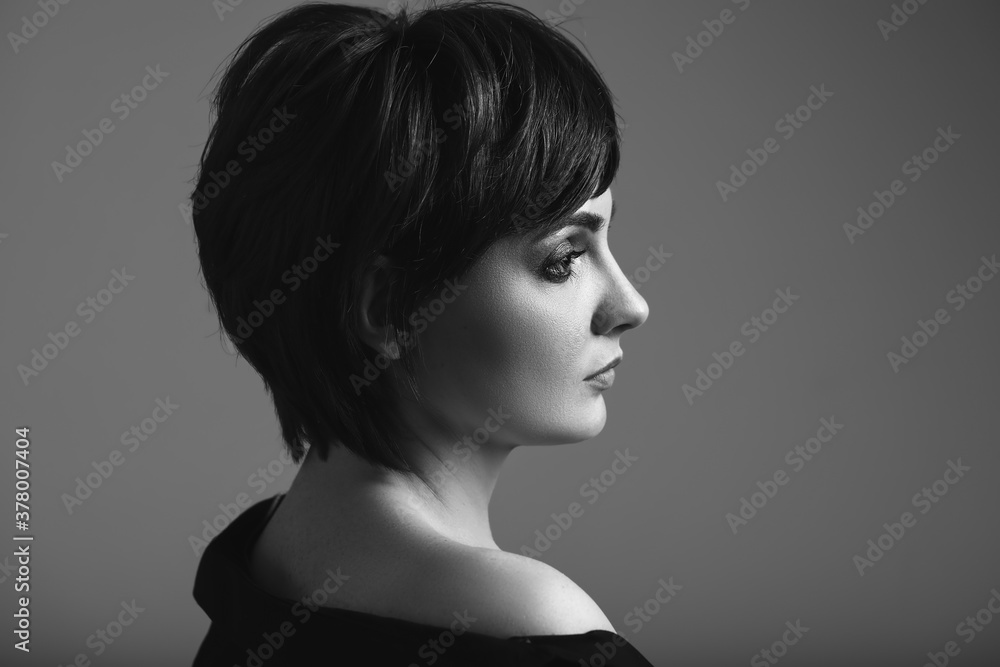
{"x":373,"y":327}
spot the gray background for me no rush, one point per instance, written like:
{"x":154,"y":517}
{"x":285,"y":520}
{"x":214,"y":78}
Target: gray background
{"x":664,"y":517}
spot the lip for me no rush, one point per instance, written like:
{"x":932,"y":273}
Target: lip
{"x":603,"y":380}
{"x":605,"y":371}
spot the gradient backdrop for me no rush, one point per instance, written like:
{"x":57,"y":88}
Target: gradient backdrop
{"x":693,"y":104}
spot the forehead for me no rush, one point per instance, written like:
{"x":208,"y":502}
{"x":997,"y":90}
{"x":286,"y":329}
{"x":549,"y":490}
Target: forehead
{"x":600,"y":203}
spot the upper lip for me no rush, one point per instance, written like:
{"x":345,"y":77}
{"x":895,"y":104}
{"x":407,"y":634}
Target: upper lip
{"x":617,"y":360}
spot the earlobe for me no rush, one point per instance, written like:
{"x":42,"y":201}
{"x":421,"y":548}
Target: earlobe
{"x":390,"y":347}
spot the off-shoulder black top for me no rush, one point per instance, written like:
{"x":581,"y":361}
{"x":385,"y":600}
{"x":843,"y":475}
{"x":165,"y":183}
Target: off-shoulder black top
{"x":253,"y":628}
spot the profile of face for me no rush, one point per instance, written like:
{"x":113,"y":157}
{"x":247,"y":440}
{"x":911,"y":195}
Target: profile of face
{"x":527,"y":325}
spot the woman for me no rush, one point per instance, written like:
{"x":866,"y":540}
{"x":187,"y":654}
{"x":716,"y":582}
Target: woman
{"x":403,"y":225}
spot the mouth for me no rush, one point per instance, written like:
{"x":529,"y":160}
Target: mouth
{"x":605,"y":371}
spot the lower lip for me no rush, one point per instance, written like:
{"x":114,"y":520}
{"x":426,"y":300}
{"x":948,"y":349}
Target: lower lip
{"x":603,"y":380}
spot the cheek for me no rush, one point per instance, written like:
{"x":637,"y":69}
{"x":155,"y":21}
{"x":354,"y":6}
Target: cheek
{"x":505,"y":345}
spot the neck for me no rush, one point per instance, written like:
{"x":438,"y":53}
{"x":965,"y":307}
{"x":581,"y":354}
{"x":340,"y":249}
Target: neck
{"x":449,"y":496}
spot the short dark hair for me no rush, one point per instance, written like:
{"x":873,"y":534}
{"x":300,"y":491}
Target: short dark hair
{"x":359,"y":160}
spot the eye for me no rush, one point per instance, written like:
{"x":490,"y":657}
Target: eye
{"x":560,"y":270}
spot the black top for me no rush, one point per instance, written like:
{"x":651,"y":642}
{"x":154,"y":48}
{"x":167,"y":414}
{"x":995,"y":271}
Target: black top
{"x":253,"y":628}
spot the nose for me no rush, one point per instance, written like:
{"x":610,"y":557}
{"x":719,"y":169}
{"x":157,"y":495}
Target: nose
{"x":622,"y":307}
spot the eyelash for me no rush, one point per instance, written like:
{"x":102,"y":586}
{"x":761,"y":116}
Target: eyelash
{"x":566,"y":261}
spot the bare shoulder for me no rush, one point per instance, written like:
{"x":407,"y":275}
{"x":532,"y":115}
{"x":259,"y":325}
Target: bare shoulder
{"x":429,"y":580}
{"x":513,"y":595}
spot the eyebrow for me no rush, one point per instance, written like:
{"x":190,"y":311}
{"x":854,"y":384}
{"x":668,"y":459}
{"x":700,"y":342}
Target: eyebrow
{"x":586,"y":219}
{"x":590,"y":220}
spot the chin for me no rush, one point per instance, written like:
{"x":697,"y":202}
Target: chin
{"x":575,"y":424}
{"x":589,"y":420}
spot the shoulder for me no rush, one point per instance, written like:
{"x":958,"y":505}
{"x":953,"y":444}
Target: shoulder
{"x":430,"y":581}
{"x":514,"y":595}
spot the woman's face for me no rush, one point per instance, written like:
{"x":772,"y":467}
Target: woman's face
{"x":523,"y":329}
